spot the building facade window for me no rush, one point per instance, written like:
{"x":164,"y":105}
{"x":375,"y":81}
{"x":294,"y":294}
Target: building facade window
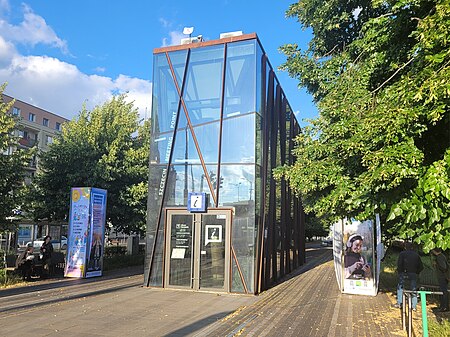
{"x":16,"y":111}
{"x":45,"y":122}
{"x":58,"y":126}
{"x":48,"y":139}
{"x":31,"y":117}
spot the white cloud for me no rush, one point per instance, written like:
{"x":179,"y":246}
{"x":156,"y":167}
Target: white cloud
{"x":62,"y":88}
{"x":100,"y":69}
{"x":31,"y":31}
{"x":7,"y":52}
{"x":54,"y":85}
{"x":174,"y":39}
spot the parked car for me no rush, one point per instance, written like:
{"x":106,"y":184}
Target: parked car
{"x":327,"y":242}
{"x":55,"y":242}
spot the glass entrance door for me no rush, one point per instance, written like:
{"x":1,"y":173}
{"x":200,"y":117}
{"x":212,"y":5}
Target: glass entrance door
{"x":197,"y":251}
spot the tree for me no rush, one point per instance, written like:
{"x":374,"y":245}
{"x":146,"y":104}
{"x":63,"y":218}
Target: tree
{"x":379,"y":73}
{"x":104,"y":148}
{"x":13,"y":162}
{"x":315,"y":227}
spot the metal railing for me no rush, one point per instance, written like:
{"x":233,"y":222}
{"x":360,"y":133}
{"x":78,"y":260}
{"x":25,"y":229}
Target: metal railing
{"x":407,"y":309}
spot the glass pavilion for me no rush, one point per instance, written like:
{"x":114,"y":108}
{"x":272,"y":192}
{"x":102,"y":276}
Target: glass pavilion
{"x":220,"y":124}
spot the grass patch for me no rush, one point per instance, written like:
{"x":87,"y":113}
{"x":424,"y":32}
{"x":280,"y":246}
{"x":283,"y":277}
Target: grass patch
{"x":439,"y":329}
{"x":9,"y":279}
{"x":389,"y":277}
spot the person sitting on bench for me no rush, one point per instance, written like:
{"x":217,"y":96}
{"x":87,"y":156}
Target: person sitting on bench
{"x":24,"y":263}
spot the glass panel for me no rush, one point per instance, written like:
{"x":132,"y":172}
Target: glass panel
{"x":208,"y":141}
{"x":156,"y":277}
{"x":184,"y":148}
{"x":181,"y":233}
{"x":165,"y":96}
{"x":237,"y":187}
{"x":204,"y":187}
{"x":204,"y":84}
{"x":259,"y":84}
{"x":161,"y":145}
{"x":183,"y":179}
{"x":244,"y":236}
{"x":236,"y":282}
{"x":259,"y":145}
{"x":212,"y":251}
{"x":238,"y":140}
{"x":157,"y":181}
{"x":178,"y":59}
{"x":240,"y":81}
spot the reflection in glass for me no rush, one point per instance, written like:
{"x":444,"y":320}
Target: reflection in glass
{"x":208,"y":141}
{"x":237,"y":187}
{"x":259,"y":85}
{"x":184,"y":151}
{"x":183,"y":179}
{"x":156,"y":277}
{"x":212,"y":252}
{"x":161,"y":146}
{"x":238,"y":139}
{"x":243,"y":240}
{"x":240,"y":81}
{"x":166,"y":98}
{"x":204,"y":84}
{"x":181,"y":231}
{"x":178,"y":60}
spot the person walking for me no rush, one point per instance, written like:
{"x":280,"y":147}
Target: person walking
{"x":409,"y":266}
{"x":441,"y":266}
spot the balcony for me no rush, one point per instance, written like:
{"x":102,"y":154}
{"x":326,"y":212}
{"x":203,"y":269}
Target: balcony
{"x":27,"y":142}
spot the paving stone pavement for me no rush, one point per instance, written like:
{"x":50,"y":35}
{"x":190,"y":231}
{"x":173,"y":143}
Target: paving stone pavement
{"x":310,"y":304}
{"x":307,"y":304}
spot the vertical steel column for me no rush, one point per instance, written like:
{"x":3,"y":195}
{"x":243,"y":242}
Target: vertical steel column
{"x":152,"y":256}
{"x":222,"y":102}
{"x":261,"y":273}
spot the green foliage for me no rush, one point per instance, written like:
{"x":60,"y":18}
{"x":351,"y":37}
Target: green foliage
{"x":104,"y":148}
{"x":13,"y":162}
{"x":439,"y":329}
{"x":379,"y":73}
{"x":425,"y":213}
{"x":316,"y":227}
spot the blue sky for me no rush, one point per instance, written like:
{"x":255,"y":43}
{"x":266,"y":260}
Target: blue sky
{"x":60,"y":54}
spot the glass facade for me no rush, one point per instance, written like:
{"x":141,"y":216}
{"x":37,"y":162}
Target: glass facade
{"x":220,"y":124}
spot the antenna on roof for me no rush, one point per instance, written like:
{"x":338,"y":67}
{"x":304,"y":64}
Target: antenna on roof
{"x":188,"y":31}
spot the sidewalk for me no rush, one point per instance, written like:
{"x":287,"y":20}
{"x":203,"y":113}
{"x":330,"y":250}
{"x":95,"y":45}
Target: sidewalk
{"x":307,"y":304}
{"x":310,"y":304}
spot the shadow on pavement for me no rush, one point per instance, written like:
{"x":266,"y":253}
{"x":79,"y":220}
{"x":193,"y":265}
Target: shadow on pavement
{"x":198,"y":325}
{"x":53,"y":283}
{"x":69,"y":297}
{"x":314,"y":258}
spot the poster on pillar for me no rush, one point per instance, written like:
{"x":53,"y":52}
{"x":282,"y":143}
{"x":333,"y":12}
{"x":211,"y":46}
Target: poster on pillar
{"x":87,"y":219}
{"x":357,"y":266}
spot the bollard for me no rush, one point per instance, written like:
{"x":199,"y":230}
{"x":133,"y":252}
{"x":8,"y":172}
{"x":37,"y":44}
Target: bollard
{"x":423,"y":302}
{"x":410,"y":315}
{"x":403,"y":311}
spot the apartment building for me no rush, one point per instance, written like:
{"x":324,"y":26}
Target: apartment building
{"x":36,"y":127}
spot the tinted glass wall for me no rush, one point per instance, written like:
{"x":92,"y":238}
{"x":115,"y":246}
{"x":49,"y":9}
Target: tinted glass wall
{"x":220,"y":124}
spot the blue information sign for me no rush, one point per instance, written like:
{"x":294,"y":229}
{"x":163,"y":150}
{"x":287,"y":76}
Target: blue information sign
{"x":196,"y":202}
